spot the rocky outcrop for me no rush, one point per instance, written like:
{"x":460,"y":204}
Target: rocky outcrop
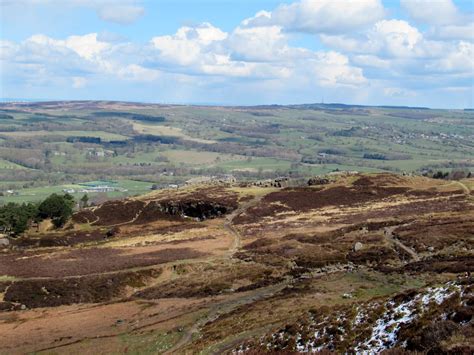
{"x":195,"y":209}
{"x":317,"y":180}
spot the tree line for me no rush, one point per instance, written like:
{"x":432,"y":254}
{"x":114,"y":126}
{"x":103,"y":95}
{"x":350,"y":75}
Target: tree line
{"x":16,"y":218}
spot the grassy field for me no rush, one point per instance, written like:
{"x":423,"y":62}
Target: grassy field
{"x":249,"y":142}
{"x":124,"y":188}
{"x":9,"y":165}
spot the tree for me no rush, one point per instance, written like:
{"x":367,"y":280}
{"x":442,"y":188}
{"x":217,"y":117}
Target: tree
{"x":16,"y":218}
{"x":58,"y":208}
{"x":84,"y":200}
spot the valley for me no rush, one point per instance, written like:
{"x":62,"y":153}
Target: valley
{"x":125,"y":149}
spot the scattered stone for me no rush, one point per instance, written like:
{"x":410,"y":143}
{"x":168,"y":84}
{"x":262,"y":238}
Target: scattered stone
{"x":358,"y":246}
{"x":112,"y":232}
{"x":317,"y":180}
{"x":23,"y":307}
{"x":4,"y":242}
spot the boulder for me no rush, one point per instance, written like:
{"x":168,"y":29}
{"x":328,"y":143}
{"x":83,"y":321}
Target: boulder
{"x":358,"y":246}
{"x":318,"y":181}
{"x":4,"y":242}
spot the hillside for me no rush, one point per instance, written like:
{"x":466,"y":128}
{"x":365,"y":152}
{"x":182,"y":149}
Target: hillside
{"x":354,"y":262}
{"x":129,"y":147}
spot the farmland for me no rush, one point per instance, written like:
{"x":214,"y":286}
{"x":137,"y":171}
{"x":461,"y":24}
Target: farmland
{"x":53,"y":145}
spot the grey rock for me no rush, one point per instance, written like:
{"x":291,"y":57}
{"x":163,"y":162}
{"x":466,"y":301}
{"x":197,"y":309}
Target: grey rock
{"x":358,"y":246}
{"x":4,"y":242}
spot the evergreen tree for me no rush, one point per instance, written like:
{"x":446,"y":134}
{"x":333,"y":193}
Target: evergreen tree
{"x":84,"y":200}
{"x":58,"y":208}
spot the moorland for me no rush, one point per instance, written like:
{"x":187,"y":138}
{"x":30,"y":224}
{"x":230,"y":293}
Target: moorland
{"x":144,"y":228}
{"x":352,"y":262}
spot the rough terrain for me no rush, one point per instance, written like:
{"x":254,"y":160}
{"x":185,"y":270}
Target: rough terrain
{"x":360,"y":263}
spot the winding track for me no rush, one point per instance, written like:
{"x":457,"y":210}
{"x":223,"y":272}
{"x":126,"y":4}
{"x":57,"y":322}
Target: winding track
{"x":388,"y":232}
{"x":227,"y":306}
{"x":230,"y":218}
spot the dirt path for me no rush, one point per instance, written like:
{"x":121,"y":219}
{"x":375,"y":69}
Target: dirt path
{"x":466,"y":189}
{"x":123,"y":223}
{"x":388,"y":233}
{"x":225,"y":307}
{"x":230,"y":218}
{"x":229,"y":305}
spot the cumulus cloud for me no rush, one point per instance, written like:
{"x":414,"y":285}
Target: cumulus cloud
{"x":396,"y":38}
{"x":42,"y":59}
{"x":453,"y":32}
{"x":446,"y":21}
{"x":437,"y":12}
{"x":259,"y":44}
{"x":251,"y":53}
{"x":360,"y":55}
{"x":395,"y":50}
{"x":321,"y":16}
{"x":332,"y":69}
{"x":189,"y":44}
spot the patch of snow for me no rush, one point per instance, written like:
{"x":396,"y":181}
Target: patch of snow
{"x":384,"y":333}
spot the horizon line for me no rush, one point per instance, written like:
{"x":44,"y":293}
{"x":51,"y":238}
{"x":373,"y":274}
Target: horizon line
{"x":212,"y":104}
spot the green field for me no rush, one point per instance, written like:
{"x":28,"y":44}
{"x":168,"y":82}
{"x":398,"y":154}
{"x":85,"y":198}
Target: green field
{"x":4,"y":164}
{"x":132,"y":188}
{"x":163,"y":144}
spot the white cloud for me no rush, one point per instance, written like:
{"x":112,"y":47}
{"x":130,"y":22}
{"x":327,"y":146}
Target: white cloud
{"x":86,"y":46}
{"x":459,"y":60}
{"x":392,"y":38}
{"x":321,"y":16}
{"x":453,"y":32}
{"x":188,"y":44}
{"x":396,"y":37}
{"x":396,"y":51}
{"x":260,"y":44}
{"x":362,"y":57}
{"x":434,"y":12}
{"x":369,"y":60}
{"x":251,"y":53}
{"x":7,"y":49}
{"x":332,"y":69}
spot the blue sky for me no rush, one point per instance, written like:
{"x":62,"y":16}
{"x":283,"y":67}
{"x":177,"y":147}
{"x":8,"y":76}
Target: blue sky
{"x":408,"y":52}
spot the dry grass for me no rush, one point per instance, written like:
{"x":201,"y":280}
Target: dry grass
{"x":297,"y":258}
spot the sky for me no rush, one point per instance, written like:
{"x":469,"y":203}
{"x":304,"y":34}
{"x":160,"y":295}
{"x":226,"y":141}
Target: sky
{"x":247,"y":52}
